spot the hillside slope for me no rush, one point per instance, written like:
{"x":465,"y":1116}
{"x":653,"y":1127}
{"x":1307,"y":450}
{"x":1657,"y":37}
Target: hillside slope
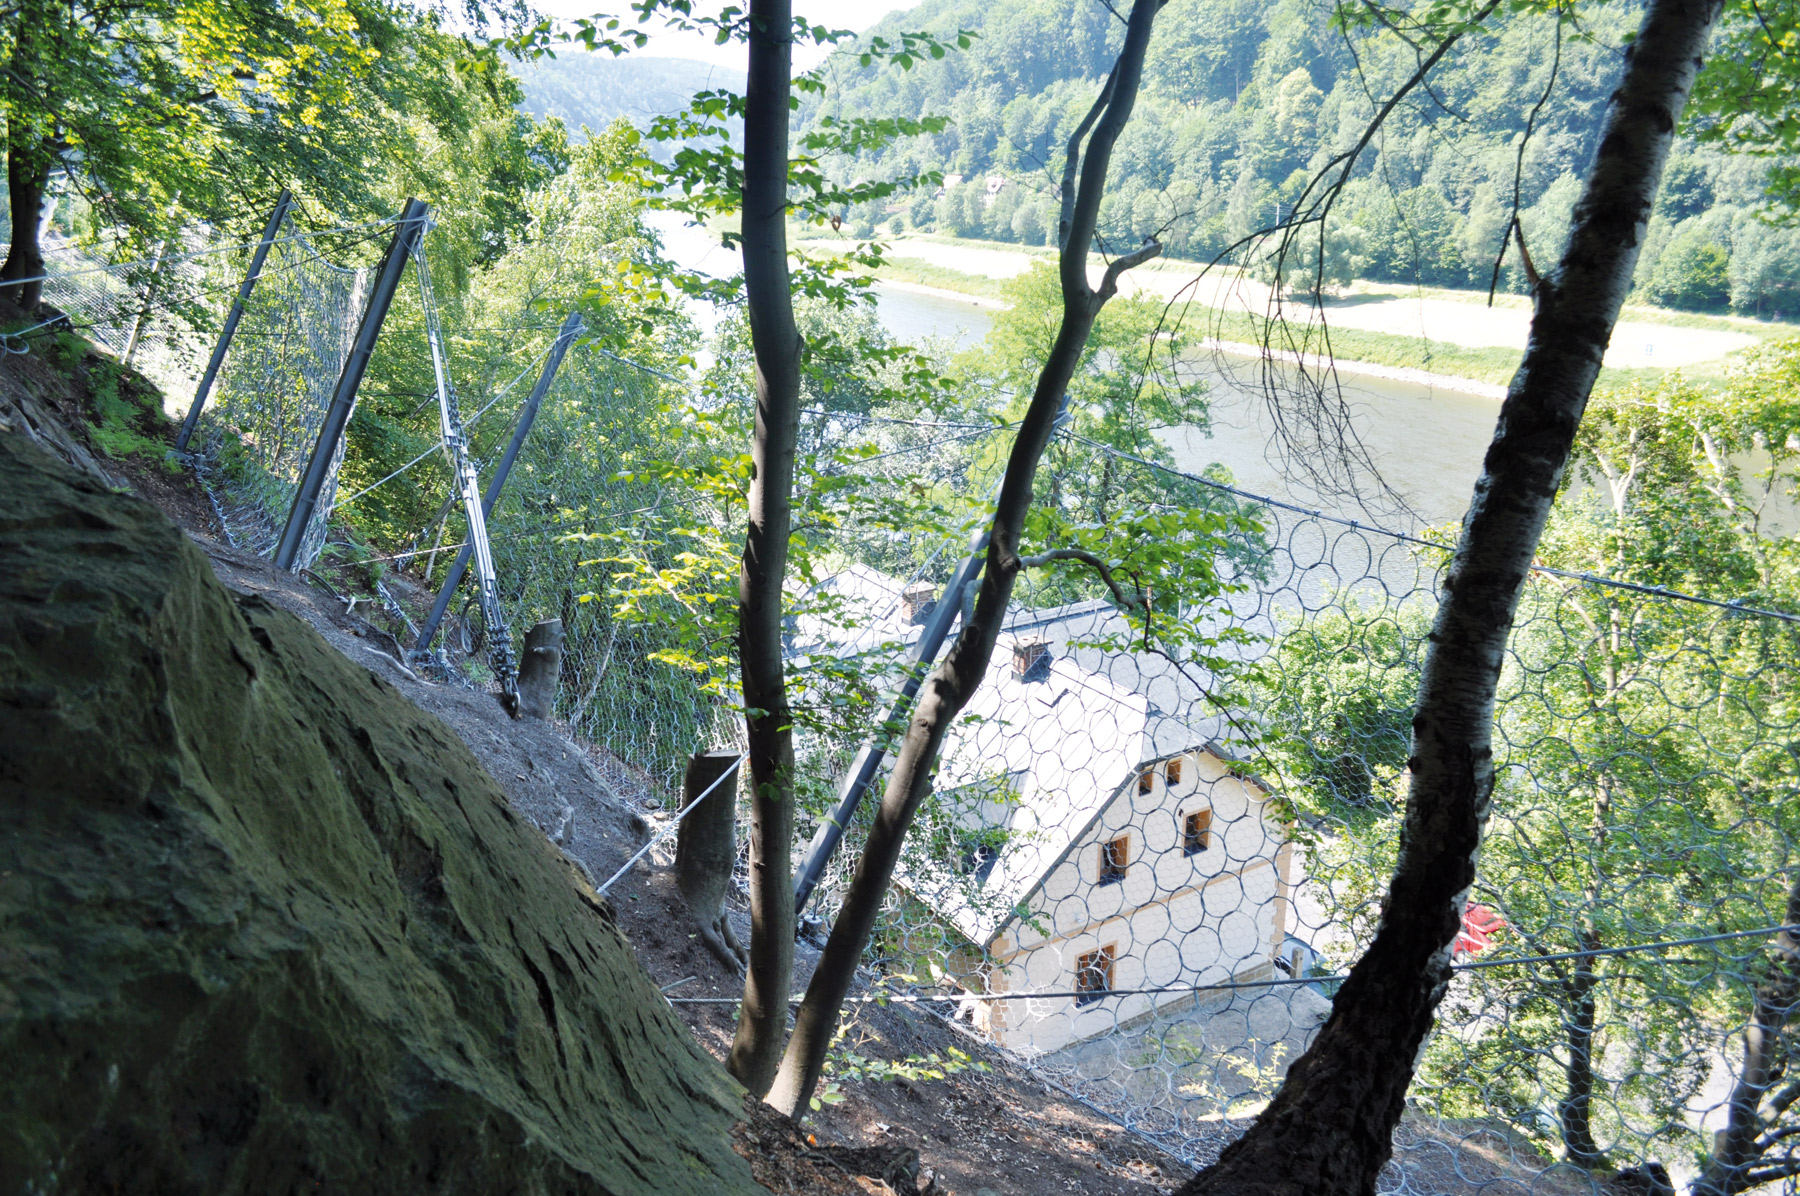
{"x":1244,"y":101}
{"x":266,"y":926}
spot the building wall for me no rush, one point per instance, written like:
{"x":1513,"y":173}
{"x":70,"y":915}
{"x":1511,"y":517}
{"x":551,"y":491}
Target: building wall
{"x":1174,"y":920}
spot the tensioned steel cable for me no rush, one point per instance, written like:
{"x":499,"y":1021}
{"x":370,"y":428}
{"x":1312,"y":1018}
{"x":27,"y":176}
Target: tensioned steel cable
{"x":1732,"y":606}
{"x":1273,"y":981}
{"x":373,"y":226}
{"x":674,"y":824}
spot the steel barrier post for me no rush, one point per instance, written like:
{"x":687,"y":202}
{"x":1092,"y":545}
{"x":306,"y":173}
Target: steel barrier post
{"x":570,"y":330}
{"x":343,"y":399}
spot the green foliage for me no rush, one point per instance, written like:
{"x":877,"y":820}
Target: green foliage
{"x":145,"y":101}
{"x":1693,"y":271}
{"x":124,"y":416}
{"x":847,"y":508}
{"x":1748,"y":96}
{"x":1339,"y":699}
{"x":846,"y":1063}
{"x":1643,"y":770}
{"x":1242,"y":101}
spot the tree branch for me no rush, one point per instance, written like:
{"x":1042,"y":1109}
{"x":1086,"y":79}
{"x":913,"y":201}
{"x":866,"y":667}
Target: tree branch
{"x":1109,"y":285}
{"x":1083,"y":556}
{"x":947,"y":690}
{"x":1072,"y":163}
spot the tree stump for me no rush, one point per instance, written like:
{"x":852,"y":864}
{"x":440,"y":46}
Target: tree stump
{"x":540,"y":670}
{"x":706,"y":850}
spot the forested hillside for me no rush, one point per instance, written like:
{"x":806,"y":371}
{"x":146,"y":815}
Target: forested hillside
{"x":1243,"y":101}
{"x":588,"y":91}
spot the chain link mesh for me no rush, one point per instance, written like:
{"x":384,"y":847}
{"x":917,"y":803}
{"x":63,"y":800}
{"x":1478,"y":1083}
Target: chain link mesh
{"x":261,"y":423}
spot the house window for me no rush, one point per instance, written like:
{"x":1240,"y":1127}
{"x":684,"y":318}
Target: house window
{"x":1146,"y":781}
{"x":1172,"y":773}
{"x":1094,"y":974}
{"x":1115,"y":857}
{"x":1196,"y":832}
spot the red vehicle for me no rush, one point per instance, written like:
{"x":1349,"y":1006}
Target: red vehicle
{"x":1479,"y":926}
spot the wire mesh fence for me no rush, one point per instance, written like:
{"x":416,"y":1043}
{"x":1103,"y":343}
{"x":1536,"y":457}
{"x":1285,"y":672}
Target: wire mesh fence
{"x":1145,"y":875}
{"x":1144,"y":868}
{"x":261,"y":422}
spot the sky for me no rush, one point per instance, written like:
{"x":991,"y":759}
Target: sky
{"x":855,"y":15}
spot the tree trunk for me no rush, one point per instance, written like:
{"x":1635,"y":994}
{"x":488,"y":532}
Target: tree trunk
{"x":762,"y":1025}
{"x":1738,"y":1146}
{"x":706,"y":849}
{"x":540,"y":669}
{"x":953,"y":682}
{"x":28,"y":163}
{"x":1330,"y":1127}
{"x":1574,"y":1112}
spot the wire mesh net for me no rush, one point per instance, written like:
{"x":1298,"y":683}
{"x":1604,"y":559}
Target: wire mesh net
{"x":1145,"y":875}
{"x":261,"y":422}
{"x":155,"y":314}
{"x":590,"y":489}
{"x":1144,"y":871}
{"x":1144,"y":868}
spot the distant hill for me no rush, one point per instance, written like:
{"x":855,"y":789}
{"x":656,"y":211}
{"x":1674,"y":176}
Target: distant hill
{"x":597,"y":89}
{"x":1244,"y":99}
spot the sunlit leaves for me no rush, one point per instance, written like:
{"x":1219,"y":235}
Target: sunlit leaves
{"x":1747,"y":97}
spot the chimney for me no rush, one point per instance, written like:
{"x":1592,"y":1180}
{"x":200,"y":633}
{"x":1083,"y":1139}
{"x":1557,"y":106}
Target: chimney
{"x":1031,"y":660}
{"x":917,"y":602}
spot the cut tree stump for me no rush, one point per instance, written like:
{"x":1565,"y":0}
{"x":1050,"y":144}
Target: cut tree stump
{"x":540,"y":670}
{"x":706,"y":850}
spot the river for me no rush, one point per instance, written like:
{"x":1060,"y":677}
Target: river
{"x":1426,"y":442}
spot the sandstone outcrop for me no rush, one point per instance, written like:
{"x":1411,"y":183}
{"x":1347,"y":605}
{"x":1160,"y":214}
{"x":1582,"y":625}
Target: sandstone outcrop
{"x":266,"y":927}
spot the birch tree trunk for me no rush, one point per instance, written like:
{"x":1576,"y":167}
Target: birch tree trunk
{"x":1330,"y":1127}
{"x":952,"y":683}
{"x":775,"y":340}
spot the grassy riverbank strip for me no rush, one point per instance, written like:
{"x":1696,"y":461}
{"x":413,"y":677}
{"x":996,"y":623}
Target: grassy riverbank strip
{"x":1377,"y":354}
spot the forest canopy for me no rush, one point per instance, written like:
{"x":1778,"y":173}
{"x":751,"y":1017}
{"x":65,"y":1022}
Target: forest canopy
{"x":1243,"y":101}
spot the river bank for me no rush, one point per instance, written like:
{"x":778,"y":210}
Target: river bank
{"x":1363,"y":369}
{"x":1374,"y":328}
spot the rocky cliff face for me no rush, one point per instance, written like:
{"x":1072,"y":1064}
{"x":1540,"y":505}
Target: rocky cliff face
{"x":266,"y":927}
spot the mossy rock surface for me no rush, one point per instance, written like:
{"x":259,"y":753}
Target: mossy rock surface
{"x":266,"y":927}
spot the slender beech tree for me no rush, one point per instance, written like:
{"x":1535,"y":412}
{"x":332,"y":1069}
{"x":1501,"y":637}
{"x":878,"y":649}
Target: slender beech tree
{"x":1330,"y":1127}
{"x":951,"y":684}
{"x":763,"y":185}
{"x":776,"y":342}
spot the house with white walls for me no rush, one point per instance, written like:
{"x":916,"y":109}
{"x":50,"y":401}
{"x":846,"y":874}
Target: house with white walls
{"x":1089,"y":837}
{"x":1099,"y":849}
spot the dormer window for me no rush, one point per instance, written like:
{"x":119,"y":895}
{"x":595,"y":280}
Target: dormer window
{"x":979,"y":853}
{"x":1031,"y":660}
{"x":917,"y":602}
